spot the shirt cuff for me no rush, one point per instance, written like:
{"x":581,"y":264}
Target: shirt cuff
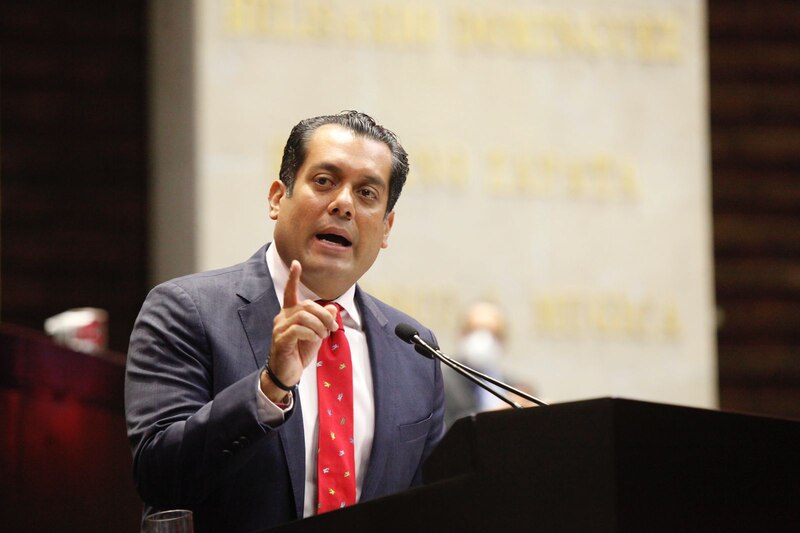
{"x":268,"y":413}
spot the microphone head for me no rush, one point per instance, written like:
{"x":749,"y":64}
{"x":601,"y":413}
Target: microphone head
{"x":406,"y":332}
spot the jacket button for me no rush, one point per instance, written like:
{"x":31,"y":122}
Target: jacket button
{"x":227,"y":453}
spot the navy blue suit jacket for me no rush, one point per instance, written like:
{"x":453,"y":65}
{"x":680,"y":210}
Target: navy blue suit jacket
{"x":190,"y":395}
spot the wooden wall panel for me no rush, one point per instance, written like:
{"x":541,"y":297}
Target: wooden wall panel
{"x":73,"y":182}
{"x":754,"y":73}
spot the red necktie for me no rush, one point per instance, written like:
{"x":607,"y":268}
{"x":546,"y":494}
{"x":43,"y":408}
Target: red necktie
{"x":336,"y":465}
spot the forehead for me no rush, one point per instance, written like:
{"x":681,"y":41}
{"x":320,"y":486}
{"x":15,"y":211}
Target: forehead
{"x":332,"y":145}
{"x":333,"y":133}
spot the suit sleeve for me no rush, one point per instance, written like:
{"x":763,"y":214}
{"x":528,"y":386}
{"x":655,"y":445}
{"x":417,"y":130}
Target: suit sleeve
{"x":185,"y":437}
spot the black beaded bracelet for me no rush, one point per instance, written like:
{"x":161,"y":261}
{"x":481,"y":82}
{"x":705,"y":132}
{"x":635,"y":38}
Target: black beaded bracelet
{"x":278,"y":383}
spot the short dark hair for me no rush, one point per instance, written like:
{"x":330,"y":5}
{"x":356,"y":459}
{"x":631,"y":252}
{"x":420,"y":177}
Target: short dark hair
{"x":294,"y":153}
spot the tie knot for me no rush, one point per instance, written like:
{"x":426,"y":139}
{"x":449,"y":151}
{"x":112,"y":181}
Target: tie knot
{"x":339,"y":308}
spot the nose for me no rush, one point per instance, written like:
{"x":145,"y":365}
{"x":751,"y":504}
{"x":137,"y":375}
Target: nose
{"x":342,"y":204}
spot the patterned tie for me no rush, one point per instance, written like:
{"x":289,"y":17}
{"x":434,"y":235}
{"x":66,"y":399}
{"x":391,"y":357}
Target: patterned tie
{"x":336,"y":465}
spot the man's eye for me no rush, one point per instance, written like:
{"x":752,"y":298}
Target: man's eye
{"x":322,"y":180}
{"x":368,"y":193}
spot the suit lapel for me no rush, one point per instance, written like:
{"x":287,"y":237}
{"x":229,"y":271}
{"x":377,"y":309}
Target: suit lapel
{"x":382,"y":361}
{"x":260,"y":307}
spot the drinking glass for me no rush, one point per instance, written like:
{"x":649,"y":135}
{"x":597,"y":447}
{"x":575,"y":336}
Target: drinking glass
{"x":172,"y":521}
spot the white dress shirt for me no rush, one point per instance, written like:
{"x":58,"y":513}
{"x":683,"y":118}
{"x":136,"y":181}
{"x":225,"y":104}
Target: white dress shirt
{"x":363,"y":402}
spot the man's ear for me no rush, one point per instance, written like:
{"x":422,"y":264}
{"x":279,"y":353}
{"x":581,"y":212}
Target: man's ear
{"x":387,"y":227}
{"x":276,"y":192}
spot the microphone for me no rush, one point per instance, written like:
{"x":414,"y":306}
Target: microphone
{"x":407,"y":333}
{"x":410,"y":335}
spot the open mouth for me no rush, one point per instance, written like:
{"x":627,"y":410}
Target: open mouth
{"x":335,"y":239}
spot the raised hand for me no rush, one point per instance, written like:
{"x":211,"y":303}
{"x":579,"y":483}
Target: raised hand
{"x":297,"y":333}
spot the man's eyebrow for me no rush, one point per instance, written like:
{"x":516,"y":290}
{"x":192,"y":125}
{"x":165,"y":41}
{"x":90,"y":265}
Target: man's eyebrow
{"x":375,"y":181}
{"x":329,"y":167}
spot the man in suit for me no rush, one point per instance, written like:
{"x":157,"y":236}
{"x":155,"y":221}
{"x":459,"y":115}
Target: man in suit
{"x":220,"y":391}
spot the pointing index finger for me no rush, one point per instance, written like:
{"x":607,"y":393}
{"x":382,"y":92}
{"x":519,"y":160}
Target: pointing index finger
{"x":290,"y":294}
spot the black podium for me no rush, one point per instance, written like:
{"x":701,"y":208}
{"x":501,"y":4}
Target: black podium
{"x":606,"y":465}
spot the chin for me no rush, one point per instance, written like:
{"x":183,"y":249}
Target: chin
{"x":329,"y":270}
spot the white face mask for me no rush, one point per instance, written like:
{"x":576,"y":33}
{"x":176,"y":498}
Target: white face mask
{"x":482,"y":350}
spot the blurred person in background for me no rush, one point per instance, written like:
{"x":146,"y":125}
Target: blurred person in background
{"x":482,"y":346}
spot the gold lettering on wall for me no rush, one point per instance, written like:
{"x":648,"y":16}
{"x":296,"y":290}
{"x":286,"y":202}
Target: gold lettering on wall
{"x":640,"y":36}
{"x":450,"y":168}
{"x":372,"y":23}
{"x":646,"y":37}
{"x":600,"y":176}
{"x":575,"y":315}
{"x":438,"y":168}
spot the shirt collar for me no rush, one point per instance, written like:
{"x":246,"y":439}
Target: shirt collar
{"x":280,"y":277}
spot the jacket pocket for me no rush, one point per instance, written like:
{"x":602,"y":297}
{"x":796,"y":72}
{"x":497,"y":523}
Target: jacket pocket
{"x":414,"y":430}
